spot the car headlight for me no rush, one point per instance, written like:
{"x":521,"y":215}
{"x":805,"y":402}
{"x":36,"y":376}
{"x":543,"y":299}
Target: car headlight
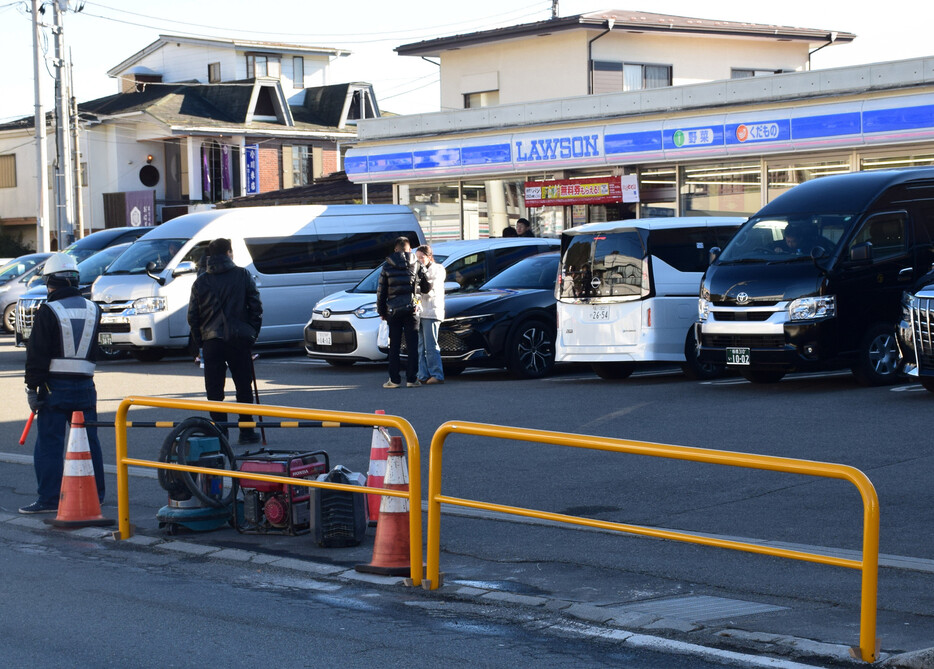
{"x":471,"y":320}
{"x":146,"y":305}
{"x":813,"y":308}
{"x":366,"y":311}
{"x":703,"y":309}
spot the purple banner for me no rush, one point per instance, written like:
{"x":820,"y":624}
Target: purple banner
{"x":205,"y":174}
{"x":225,"y":167}
{"x":140,"y":207}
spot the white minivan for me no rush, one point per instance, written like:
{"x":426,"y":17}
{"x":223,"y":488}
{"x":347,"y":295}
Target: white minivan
{"x":296,"y":254}
{"x":627,"y":292}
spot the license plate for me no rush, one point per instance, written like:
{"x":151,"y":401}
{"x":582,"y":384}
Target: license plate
{"x":322,"y":338}
{"x":105,"y":339}
{"x":737,"y":356}
{"x":600,"y":314}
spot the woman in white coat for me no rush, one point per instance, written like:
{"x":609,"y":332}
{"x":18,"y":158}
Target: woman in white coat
{"x":432,"y":313}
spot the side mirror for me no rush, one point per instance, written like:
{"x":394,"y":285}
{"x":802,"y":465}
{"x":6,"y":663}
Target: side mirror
{"x":714,"y":254}
{"x":150,"y":269}
{"x":451,"y":286}
{"x":861,"y":253}
{"x":184,"y":267}
{"x":818,"y":252}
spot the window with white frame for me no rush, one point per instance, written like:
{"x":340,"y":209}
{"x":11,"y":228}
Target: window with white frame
{"x":483,"y":99}
{"x":262,"y":65}
{"x":298,"y":72}
{"x":214,"y":73}
{"x":613,"y":77}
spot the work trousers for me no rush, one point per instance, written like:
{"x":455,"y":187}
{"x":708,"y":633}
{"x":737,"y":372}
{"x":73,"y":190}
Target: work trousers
{"x":218,"y":357}
{"x":406,"y":324}
{"x":66,"y":394}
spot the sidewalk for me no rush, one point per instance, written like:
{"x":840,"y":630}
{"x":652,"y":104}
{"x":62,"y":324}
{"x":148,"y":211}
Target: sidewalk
{"x":788,"y":630}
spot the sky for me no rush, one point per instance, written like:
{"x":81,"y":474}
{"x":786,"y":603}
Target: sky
{"x":105,"y":33}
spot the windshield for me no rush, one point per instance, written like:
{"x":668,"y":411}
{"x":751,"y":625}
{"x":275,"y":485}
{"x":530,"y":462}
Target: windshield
{"x":94,"y":266}
{"x":533,"y":272}
{"x":134,"y":260}
{"x":786,"y":238}
{"x":369,"y":282}
{"x":18,"y":267}
{"x":605,"y":265}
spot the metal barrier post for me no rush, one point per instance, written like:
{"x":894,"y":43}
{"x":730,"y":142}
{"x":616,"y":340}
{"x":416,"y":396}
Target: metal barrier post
{"x":414,"y":494}
{"x":869,"y":565}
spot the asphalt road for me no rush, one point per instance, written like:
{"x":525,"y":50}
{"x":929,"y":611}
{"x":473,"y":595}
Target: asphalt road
{"x":885,"y":432}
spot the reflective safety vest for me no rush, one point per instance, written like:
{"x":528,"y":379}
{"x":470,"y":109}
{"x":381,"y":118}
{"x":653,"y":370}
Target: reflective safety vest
{"x":77,"y":318}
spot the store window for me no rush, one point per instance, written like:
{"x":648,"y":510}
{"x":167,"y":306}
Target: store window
{"x":728,"y":189}
{"x":658,"y":192}
{"x":891,"y":162}
{"x":437,"y":207}
{"x":783,"y":177}
{"x":301,"y":165}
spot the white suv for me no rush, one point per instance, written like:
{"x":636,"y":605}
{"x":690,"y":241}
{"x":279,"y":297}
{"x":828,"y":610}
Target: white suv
{"x":343,"y":326}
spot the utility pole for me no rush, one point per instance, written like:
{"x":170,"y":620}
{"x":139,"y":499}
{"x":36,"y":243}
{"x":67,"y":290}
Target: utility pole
{"x":554,"y":9}
{"x":76,"y":146}
{"x":42,"y":184}
{"x":63,"y":172}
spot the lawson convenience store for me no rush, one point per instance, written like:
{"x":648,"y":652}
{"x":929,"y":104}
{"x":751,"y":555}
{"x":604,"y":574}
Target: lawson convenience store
{"x":726,"y":148}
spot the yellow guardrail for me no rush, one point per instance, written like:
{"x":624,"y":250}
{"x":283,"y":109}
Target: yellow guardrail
{"x":869,"y":565}
{"x":414,"y":494}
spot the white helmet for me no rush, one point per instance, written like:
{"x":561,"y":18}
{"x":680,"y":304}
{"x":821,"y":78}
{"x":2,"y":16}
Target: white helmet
{"x":59,"y":262}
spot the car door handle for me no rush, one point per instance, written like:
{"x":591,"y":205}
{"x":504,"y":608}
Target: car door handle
{"x":905,"y":272}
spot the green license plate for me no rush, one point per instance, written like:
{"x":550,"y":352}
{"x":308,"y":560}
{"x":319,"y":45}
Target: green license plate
{"x":737,"y":356}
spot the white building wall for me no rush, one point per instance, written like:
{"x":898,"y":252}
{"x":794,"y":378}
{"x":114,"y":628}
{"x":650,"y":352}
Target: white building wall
{"x":178,"y":61}
{"x":556,"y":66}
{"x":20,"y":202}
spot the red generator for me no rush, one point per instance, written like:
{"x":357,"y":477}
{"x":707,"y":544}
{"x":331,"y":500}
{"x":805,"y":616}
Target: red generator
{"x":275,"y":508}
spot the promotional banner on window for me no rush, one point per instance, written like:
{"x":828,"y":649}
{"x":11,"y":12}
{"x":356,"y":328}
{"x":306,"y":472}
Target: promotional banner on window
{"x":602,"y":190}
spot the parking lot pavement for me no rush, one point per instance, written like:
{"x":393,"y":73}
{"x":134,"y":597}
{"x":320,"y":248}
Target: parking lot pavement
{"x":604,"y":584}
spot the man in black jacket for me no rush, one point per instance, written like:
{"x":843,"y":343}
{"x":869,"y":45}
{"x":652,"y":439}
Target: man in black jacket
{"x":225,"y":315}
{"x":60,"y":360}
{"x":399,"y":283}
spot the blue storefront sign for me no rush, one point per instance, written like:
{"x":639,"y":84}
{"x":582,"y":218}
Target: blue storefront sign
{"x":789,"y":128}
{"x":251,"y":152}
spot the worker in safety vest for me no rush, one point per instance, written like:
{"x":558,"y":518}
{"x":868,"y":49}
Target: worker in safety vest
{"x":60,"y":357}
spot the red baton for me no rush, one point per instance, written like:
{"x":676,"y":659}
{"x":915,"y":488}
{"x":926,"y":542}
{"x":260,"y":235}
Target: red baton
{"x":22,"y":439}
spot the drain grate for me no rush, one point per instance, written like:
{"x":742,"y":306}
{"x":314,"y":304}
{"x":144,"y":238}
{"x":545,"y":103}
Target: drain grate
{"x":697,"y":608}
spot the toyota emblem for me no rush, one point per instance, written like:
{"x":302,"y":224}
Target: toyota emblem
{"x":326,"y":313}
{"x":742,"y":298}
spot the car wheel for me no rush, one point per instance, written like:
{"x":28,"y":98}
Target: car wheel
{"x":532,"y":350}
{"x":106,"y":353}
{"x":693,"y":368}
{"x":877,"y":361}
{"x":9,"y":318}
{"x":763,"y":375}
{"x":928,"y":383}
{"x":341,"y":363}
{"x":613,"y":371}
{"x":148,"y":354}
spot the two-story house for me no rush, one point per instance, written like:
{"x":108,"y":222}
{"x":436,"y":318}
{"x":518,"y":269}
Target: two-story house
{"x":196,"y":121}
{"x":618,"y":114}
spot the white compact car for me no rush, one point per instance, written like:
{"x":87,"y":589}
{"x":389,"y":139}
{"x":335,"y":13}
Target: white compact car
{"x":344,"y":325}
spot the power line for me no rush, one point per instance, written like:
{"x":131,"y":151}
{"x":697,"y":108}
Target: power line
{"x":412,"y":90}
{"x":391,"y":34}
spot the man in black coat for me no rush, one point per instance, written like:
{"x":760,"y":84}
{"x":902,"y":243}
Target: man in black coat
{"x":400,"y":280}
{"x":225,"y":315}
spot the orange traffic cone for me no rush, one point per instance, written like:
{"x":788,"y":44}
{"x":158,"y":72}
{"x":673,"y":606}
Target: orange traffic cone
{"x":78,"y":505}
{"x":379,"y":448}
{"x":391,"y":546}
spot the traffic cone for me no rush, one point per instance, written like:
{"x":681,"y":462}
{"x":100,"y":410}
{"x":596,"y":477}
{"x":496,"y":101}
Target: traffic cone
{"x":391,"y":546}
{"x":379,"y":448}
{"x":78,"y":505}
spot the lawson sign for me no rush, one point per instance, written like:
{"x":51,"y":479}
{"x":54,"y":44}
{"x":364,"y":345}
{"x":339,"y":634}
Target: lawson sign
{"x":779,"y":130}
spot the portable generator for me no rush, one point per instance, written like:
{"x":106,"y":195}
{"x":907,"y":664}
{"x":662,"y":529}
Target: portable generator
{"x":276,"y":508}
{"x":197,"y":502}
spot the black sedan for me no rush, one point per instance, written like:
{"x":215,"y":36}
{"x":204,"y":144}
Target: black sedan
{"x":510,"y":322}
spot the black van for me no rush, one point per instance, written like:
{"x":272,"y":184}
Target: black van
{"x":814,"y":279}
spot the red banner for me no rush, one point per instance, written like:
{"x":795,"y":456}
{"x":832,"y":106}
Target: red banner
{"x":601,"y":190}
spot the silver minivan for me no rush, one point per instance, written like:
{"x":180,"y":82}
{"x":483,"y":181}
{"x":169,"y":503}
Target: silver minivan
{"x":296,"y":254}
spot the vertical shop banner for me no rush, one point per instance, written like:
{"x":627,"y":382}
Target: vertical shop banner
{"x":225,"y":167}
{"x":600,"y":190}
{"x":251,"y":154}
{"x":205,"y":174}
{"x":140,"y":207}
{"x":630,"y":186}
